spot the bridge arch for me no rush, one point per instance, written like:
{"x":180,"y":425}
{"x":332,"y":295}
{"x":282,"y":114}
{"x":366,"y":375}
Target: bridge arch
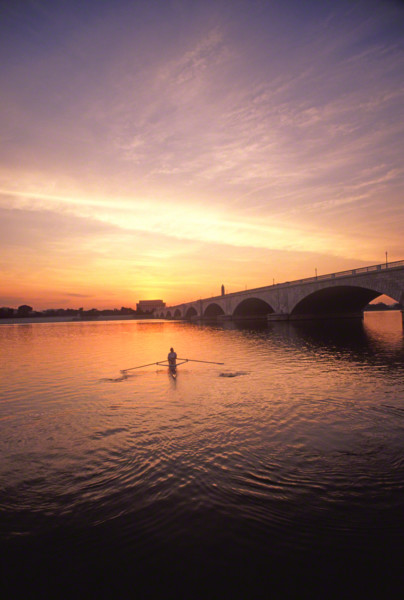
{"x":336,"y":300}
{"x":213,"y":310}
{"x":177,"y":314}
{"x":191,"y":312}
{"x":168,"y":314}
{"x":252,"y":307}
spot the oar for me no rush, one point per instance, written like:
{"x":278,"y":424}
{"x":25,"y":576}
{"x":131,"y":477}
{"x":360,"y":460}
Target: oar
{"x":140,"y":366}
{"x":202,"y":361}
{"x":163,"y":363}
{"x":159,"y":362}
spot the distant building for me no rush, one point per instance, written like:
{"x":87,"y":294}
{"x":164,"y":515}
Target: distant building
{"x":148,"y":306}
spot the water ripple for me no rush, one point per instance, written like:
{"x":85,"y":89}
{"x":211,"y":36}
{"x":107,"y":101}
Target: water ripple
{"x":295,"y":447}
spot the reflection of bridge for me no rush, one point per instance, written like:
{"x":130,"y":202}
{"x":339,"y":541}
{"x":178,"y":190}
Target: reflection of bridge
{"x":343,"y":294}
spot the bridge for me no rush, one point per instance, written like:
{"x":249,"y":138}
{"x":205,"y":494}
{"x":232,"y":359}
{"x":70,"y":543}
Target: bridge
{"x":336,"y":295}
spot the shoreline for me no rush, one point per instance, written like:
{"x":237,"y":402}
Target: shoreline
{"x":30,"y":320}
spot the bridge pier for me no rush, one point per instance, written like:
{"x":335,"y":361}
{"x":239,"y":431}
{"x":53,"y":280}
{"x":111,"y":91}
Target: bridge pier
{"x":221,"y":318}
{"x":278,"y":317}
{"x":313,"y":316}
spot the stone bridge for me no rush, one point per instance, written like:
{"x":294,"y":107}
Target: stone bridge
{"x":343,"y":294}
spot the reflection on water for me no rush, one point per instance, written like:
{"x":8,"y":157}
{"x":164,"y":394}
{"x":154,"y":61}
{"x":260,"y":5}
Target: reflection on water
{"x":289,"y":455}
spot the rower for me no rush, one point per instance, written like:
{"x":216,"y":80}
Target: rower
{"x":172,"y":359}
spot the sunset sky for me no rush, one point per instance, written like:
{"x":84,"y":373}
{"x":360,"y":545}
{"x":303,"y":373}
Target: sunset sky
{"x":157,"y":149}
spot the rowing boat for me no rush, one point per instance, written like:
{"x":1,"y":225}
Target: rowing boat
{"x":172,"y":369}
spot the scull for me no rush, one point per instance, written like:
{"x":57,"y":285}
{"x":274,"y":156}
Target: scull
{"x":165,"y":363}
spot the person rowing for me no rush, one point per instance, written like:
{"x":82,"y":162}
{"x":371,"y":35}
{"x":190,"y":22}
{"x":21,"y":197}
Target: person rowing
{"x":172,"y":360}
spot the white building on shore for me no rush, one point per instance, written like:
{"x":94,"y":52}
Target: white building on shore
{"x":148,"y":306}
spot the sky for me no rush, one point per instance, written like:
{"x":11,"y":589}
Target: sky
{"x":159,"y":149}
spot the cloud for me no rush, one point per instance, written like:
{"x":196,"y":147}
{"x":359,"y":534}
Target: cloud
{"x":72,"y":295}
{"x":138,"y":132}
{"x":30,"y":228}
{"x":67,"y":221}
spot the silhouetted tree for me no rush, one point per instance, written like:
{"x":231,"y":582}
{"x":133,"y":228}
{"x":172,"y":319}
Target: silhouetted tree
{"x":24,"y":310}
{"x":126,"y":311}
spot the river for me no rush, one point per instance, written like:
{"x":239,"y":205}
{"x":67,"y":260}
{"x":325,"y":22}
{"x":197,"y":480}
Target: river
{"x":276,"y":474}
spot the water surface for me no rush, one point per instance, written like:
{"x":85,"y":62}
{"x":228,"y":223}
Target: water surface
{"x":287,"y":459}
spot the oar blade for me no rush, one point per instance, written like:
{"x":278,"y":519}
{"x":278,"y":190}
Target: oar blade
{"x":140,"y":366}
{"x":210,"y":362}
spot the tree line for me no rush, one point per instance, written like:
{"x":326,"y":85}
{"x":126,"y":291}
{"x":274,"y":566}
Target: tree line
{"x":27,"y":311}
{"x":383,"y":306}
